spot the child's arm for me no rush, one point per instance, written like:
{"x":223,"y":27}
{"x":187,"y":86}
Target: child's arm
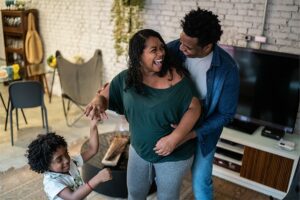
{"x":93,"y":142}
{"x":167,"y":144}
{"x":84,"y":190}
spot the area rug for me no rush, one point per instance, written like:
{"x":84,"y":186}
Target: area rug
{"x":24,"y":184}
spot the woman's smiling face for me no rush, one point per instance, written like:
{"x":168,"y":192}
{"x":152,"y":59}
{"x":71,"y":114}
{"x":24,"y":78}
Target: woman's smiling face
{"x":153,"y":55}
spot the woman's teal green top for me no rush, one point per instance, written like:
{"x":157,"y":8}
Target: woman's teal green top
{"x":150,"y":115}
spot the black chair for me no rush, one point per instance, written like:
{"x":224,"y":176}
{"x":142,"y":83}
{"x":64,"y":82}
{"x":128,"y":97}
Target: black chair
{"x":7,"y":110}
{"x":79,"y":82}
{"x":26,"y":94}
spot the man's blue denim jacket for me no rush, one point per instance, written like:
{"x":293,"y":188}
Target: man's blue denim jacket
{"x":221,"y":100}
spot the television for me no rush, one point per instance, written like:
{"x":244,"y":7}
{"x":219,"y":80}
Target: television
{"x":269,"y":89}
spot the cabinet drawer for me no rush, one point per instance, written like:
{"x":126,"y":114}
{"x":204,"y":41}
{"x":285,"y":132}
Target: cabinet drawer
{"x":266,"y":168}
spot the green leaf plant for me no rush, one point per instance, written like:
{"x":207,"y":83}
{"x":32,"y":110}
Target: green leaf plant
{"x":127,"y":20}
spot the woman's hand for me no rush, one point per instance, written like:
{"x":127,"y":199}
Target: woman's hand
{"x":165,"y":146}
{"x":96,"y":108}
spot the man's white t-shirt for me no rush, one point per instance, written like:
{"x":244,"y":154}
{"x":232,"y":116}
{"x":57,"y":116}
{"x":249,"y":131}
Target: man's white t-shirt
{"x":54,"y":182}
{"x":198,"y":68}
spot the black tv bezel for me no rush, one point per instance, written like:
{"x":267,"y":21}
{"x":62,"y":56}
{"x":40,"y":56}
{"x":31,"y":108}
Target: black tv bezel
{"x":244,"y":118}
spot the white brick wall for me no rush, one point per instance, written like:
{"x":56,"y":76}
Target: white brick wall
{"x":79,"y":27}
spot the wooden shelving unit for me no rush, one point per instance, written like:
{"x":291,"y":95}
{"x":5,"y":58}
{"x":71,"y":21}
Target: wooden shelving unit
{"x":15,"y":23}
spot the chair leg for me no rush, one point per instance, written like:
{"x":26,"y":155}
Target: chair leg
{"x":17,"y":118}
{"x":52,"y":82}
{"x":3,"y":102}
{"x":6,"y":118}
{"x":43,"y":120}
{"x":65,"y":111}
{"x":46,"y":119}
{"x":11,"y":128}
{"x":24,"y":116}
{"x":69,"y":105}
{"x":45,"y":83}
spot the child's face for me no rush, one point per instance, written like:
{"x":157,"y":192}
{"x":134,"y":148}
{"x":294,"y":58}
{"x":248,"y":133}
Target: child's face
{"x":60,"y":161}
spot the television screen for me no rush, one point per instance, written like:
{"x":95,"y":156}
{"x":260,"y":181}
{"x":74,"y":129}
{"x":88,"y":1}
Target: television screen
{"x":269,"y":87}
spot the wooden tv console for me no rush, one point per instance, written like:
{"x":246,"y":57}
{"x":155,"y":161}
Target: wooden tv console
{"x":256,"y":162}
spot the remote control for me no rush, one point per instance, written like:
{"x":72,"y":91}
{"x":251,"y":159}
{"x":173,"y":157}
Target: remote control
{"x":286,"y":145}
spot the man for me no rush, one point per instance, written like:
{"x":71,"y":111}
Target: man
{"x":217,"y":79}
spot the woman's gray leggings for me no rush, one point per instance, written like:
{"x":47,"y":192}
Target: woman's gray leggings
{"x":168,"y":177}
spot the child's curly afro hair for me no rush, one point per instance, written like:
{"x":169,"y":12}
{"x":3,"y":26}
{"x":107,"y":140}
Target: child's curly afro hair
{"x":40,"y":151}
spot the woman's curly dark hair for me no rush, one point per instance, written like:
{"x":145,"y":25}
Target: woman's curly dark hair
{"x":136,"y":48}
{"x":40,"y":151}
{"x":202,"y":24}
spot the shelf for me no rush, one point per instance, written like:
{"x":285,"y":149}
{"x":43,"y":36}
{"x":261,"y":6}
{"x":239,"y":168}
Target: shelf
{"x":13,"y":50}
{"x":12,"y":13}
{"x":13,"y":30}
{"x":226,"y":158}
{"x":237,"y":148}
{"x":256,"y":140}
{"x":14,"y":26}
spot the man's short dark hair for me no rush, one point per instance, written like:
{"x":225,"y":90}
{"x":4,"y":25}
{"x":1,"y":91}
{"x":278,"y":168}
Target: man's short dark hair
{"x":40,"y":151}
{"x":202,"y":24}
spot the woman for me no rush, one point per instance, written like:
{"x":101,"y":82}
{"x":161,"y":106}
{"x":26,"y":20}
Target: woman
{"x":152,"y":94}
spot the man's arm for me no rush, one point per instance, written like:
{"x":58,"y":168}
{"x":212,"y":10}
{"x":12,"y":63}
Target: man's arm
{"x":225,"y":108}
{"x":167,"y":144}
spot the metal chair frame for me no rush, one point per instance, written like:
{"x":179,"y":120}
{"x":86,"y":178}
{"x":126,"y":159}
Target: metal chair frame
{"x":79,"y":83}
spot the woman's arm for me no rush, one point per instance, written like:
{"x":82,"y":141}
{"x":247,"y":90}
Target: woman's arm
{"x":96,"y":108}
{"x":93,"y":142}
{"x":191,"y":135}
{"x":84,"y":190}
{"x":167,"y":144}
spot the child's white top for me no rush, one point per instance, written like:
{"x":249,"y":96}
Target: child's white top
{"x":54,"y":182}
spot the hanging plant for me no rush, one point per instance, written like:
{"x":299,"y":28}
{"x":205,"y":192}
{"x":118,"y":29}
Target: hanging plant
{"x":127,"y":20}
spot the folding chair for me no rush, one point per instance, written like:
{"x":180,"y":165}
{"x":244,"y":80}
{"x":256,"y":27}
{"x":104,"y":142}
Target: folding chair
{"x":79,"y":82}
{"x":26,"y":94}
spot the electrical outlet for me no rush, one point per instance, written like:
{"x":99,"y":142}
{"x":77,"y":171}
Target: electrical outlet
{"x":248,"y":37}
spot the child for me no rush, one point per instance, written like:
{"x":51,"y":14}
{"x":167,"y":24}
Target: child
{"x":48,"y":154}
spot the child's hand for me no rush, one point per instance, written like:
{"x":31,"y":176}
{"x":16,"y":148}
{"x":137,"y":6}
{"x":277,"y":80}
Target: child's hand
{"x":105,"y":175}
{"x":94,"y":122}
